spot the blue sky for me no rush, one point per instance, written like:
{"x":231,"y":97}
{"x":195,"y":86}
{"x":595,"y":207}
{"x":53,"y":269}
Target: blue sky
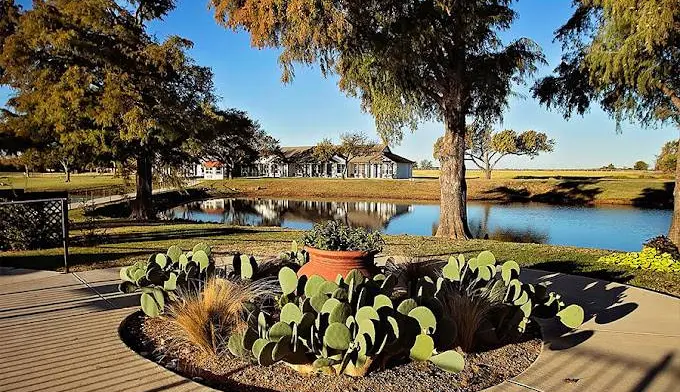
{"x":312,"y":107}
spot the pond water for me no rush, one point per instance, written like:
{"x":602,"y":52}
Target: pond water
{"x":608,"y":227}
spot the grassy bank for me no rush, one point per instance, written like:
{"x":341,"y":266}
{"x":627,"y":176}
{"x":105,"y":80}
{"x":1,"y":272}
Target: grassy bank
{"x":121,"y":245}
{"x":646,"y":192}
{"x":55,"y":182}
{"x":568,"y":187}
{"x":553,"y":173}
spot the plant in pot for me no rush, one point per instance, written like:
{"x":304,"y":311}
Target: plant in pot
{"x":335,"y":249}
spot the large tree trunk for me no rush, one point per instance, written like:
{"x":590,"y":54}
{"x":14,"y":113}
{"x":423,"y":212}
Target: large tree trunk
{"x":142,"y":208}
{"x":487,"y":165}
{"x":674,"y":232}
{"x":453,"y":215}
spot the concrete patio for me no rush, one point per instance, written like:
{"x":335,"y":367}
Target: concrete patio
{"x":59,"y":332}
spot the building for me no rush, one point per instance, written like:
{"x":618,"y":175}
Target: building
{"x":300,"y":162}
{"x":210,"y":170}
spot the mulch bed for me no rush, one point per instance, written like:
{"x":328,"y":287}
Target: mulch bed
{"x":482,"y":370}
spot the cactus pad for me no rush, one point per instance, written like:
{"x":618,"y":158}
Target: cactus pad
{"x":337,"y":337}
{"x":288,"y":280}
{"x":572,"y":316}
{"x":422,"y":348}
{"x":450,"y":361}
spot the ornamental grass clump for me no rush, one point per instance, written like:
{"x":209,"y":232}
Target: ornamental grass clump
{"x":335,"y":236}
{"x":207,"y":318}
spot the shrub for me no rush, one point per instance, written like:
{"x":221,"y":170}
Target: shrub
{"x":34,"y":225}
{"x":335,"y":236}
{"x":207,"y":318}
{"x":663,"y":244}
{"x":648,"y":258}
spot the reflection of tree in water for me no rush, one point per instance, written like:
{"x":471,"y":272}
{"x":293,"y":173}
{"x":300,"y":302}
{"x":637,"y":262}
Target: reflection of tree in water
{"x":480,"y":229}
{"x":371,"y":215}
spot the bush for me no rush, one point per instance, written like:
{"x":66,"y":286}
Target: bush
{"x":641,"y":165}
{"x":335,"y":236}
{"x":663,"y":244}
{"x":648,"y":258}
{"x":163,"y":273}
{"x":35,"y":225}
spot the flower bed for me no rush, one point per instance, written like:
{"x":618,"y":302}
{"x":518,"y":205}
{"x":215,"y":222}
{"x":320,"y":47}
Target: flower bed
{"x":452,"y":325}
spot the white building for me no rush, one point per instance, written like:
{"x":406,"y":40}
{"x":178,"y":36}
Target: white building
{"x":300,"y":162}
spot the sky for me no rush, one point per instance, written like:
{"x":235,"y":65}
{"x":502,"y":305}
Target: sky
{"x":312,"y":107}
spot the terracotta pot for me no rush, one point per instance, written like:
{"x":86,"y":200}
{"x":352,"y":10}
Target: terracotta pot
{"x":328,"y":263}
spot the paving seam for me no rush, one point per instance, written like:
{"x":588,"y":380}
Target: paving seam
{"x":93,"y":289}
{"x":529,"y":387}
{"x":631,"y":333}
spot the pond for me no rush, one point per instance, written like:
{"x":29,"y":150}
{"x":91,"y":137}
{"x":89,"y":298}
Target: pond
{"x":609,"y":227}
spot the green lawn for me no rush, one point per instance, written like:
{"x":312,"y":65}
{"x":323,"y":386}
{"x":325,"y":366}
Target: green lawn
{"x":122,"y":245}
{"x":55,"y":181}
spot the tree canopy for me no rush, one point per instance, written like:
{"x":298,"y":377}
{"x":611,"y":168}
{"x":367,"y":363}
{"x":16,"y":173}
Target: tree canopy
{"x":87,"y":72}
{"x":667,"y":159}
{"x":407,"y":61}
{"x":641,"y":165}
{"x":485,"y":148}
{"x":622,"y":54}
{"x":237,"y":140}
{"x":352,"y":145}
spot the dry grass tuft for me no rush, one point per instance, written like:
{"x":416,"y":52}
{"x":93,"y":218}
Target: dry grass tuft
{"x":207,"y":318}
{"x":470,"y":311}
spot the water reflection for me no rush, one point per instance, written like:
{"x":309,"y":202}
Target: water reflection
{"x":290,"y":213}
{"x":622,"y":228}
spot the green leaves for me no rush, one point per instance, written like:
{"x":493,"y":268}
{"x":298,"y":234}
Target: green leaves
{"x":332,"y":235}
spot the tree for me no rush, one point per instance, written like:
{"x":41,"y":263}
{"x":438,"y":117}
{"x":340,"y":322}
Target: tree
{"x":624,"y":56}
{"x":352,"y":145}
{"x":324,"y":150}
{"x":426,"y":165}
{"x":407,"y":61}
{"x":89,"y":67}
{"x":237,"y":140}
{"x":641,"y":165}
{"x":485,"y":149}
{"x":667,"y":160}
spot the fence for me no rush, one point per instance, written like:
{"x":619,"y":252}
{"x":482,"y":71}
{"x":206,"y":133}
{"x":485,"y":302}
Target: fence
{"x":34,"y":224}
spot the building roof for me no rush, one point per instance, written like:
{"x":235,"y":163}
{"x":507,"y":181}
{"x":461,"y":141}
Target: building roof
{"x":306,"y":154}
{"x":211,"y":164}
{"x":300,"y":153}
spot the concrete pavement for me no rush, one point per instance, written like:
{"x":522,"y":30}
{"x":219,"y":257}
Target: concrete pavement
{"x":58,"y":332}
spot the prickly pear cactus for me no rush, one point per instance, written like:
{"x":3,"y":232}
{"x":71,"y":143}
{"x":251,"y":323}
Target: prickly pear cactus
{"x":163,"y":273}
{"x":348,"y":326}
{"x":482,"y":277}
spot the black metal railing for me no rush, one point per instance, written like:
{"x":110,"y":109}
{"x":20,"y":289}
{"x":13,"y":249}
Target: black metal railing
{"x":34,"y":224}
